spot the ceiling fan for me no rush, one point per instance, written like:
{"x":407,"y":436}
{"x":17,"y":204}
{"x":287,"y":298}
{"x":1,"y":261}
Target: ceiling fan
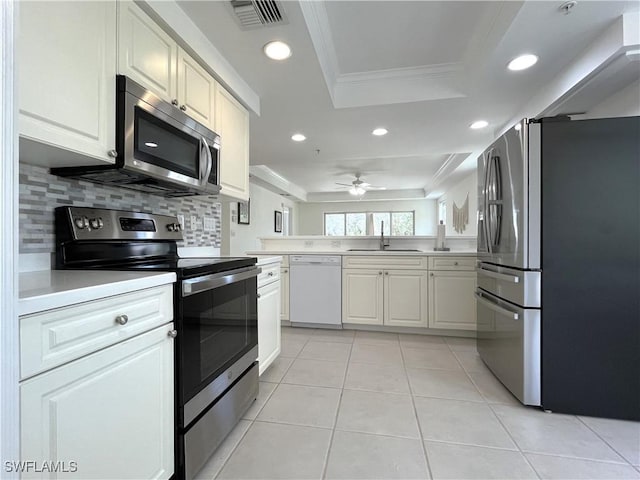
{"x":358,"y":187}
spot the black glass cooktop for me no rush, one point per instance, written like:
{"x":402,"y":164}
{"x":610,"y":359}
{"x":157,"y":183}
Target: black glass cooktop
{"x":189,"y":267}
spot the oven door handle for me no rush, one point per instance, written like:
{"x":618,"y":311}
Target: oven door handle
{"x":192,"y":286}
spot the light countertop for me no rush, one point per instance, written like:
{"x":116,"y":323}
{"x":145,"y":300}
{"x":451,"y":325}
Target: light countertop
{"x":48,"y":289}
{"x":425,"y":253}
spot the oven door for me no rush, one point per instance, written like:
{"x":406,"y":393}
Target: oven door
{"x":169,"y":147}
{"x":217,"y":333}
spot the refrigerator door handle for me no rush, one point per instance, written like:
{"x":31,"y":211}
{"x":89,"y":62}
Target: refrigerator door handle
{"x":497,"y":179}
{"x":498,"y":276}
{"x":485,"y":223}
{"x":495,"y":307}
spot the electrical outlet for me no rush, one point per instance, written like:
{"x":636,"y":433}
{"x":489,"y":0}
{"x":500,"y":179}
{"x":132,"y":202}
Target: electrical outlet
{"x":194,"y":222}
{"x":335,"y":243}
{"x":209,"y":224}
{"x":181,"y":221}
{"x":308,"y":243}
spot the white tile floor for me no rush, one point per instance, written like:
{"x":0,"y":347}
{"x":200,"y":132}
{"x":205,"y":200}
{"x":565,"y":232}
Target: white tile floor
{"x":365,"y":405}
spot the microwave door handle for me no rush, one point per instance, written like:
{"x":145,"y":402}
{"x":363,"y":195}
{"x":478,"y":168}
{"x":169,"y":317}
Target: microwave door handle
{"x":207,"y":172}
{"x":203,"y":164}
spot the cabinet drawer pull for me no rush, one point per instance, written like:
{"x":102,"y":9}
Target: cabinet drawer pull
{"x":455,"y":263}
{"x":386,"y":273}
{"x":172,"y":333}
{"x":183,"y":108}
{"x":379,"y":273}
{"x":431,"y":274}
{"x":174,"y":102}
{"x":286,"y":271}
{"x":113,"y":153}
{"x":122,"y":319}
{"x":270,"y":274}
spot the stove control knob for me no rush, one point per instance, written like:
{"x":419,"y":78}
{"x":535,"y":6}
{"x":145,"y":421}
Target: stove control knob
{"x":93,"y":223}
{"x":82,"y":222}
{"x":100,"y":222}
{"x":171,"y":227}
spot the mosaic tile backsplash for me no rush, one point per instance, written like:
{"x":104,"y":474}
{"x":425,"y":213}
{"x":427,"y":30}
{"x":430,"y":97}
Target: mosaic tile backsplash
{"x":41,"y":193}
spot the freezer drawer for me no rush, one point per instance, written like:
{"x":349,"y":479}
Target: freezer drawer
{"x":509,"y":343}
{"x":516,"y":286}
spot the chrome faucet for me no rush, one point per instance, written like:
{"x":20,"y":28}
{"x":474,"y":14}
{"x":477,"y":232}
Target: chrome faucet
{"x":382,"y":244}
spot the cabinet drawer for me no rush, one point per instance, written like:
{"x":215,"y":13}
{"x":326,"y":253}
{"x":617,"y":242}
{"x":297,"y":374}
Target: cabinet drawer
{"x":452,"y":263}
{"x":383,"y":261}
{"x":270,"y":273}
{"x":54,"y":337}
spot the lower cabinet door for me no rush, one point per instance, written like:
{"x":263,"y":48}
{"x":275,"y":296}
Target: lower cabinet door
{"x":452,"y":303}
{"x":269,"y":302}
{"x":405,"y":298}
{"x":106,"y":415}
{"x":362,"y":292}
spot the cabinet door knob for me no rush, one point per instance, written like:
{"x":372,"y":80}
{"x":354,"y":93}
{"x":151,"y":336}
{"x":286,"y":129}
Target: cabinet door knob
{"x":270,"y":274}
{"x":455,"y":263}
{"x":386,"y":273}
{"x":259,"y":295}
{"x":112,"y":153}
{"x":172,"y":333}
{"x":183,"y":108}
{"x":174,"y":102}
{"x":286,"y":271}
{"x":379,"y":273}
{"x":431,"y":274}
{"x":122,"y":319}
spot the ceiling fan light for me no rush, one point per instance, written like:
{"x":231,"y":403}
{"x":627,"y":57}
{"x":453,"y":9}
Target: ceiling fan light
{"x":357,"y":191}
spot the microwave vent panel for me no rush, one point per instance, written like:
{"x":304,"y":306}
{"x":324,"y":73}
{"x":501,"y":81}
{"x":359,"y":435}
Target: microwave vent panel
{"x":258,"y":13}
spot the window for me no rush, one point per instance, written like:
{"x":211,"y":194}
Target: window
{"x":359,"y":223}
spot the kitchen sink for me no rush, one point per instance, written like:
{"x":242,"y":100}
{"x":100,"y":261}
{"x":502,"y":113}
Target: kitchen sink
{"x":385,"y":250}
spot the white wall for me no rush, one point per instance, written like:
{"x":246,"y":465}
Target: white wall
{"x":311,"y":215}
{"x":624,"y":103}
{"x":457,"y":194}
{"x":238,"y":239}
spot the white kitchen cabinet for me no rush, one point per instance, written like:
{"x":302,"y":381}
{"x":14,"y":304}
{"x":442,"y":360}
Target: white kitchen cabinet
{"x":97,"y":383}
{"x":196,"y":90}
{"x":269,"y":301}
{"x":362,"y":296}
{"x":269,"y":339}
{"x":66,"y":81}
{"x":284,"y":294}
{"x":146,"y":53}
{"x":385,"y":290}
{"x":150,"y":57}
{"x":110,"y":412}
{"x":405,"y":298}
{"x":452,"y":304}
{"x":232,"y":124}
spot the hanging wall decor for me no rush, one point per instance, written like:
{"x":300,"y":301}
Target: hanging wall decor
{"x":461,"y":216}
{"x":277,"y":221}
{"x":243,"y":213}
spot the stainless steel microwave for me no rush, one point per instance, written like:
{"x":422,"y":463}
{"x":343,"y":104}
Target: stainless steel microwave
{"x":159,"y":148}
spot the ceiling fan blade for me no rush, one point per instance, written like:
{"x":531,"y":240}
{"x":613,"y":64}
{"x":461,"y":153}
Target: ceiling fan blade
{"x":374,"y":187}
{"x":344,"y":184}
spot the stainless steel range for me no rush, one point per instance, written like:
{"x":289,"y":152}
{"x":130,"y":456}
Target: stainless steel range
{"x":215,"y":313}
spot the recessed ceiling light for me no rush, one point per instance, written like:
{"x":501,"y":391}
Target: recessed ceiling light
{"x":518,"y":127}
{"x":479,"y":124}
{"x":277,"y":50}
{"x":522,"y":62}
{"x":298,"y":137}
{"x":380,"y":131}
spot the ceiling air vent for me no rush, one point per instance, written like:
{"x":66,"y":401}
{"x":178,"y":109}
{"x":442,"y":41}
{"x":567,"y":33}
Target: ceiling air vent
{"x":258,"y":13}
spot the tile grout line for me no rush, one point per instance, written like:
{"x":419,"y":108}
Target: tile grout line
{"x":415,"y":413}
{"x":602,"y":438}
{"x":325,"y":465}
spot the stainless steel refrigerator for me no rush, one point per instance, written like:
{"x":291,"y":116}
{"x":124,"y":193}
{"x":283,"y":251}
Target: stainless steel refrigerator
{"x":558,"y":297}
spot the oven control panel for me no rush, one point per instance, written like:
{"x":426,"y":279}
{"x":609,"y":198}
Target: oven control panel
{"x":102,"y":224}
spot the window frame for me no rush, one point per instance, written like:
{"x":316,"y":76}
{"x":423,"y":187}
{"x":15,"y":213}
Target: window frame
{"x":367,"y":220}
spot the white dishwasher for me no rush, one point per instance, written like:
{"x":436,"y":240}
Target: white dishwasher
{"x":315,"y":290}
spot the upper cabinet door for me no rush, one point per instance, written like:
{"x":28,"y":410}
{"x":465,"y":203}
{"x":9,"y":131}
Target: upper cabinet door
{"x":196,"y":90}
{"x":66,"y":83}
{"x":232,"y":124}
{"x":146,"y":54}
